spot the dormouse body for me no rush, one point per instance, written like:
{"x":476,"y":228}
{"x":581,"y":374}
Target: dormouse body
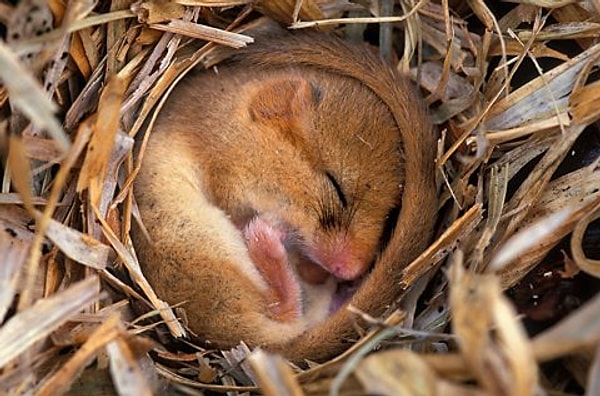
{"x":267,"y":186}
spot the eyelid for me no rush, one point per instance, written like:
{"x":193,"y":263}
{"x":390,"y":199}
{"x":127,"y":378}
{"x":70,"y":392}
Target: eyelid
{"x":318,"y":93}
{"x":338,"y":189}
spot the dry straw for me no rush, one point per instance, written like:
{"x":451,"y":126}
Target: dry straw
{"x":512,"y":88}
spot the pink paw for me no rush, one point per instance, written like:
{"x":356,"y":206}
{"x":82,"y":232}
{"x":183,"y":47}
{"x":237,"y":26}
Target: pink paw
{"x":266,"y":249}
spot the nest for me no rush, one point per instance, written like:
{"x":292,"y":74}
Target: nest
{"x":504,"y":300}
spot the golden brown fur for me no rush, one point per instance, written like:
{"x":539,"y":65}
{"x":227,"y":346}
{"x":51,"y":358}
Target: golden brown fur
{"x":262,"y":139}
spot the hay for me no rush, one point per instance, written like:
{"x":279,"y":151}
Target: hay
{"x":514,"y":91}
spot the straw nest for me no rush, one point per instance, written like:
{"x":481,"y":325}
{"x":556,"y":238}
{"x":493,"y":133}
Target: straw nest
{"x":502,"y":303}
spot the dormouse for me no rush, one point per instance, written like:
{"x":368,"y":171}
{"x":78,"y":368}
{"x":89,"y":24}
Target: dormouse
{"x":281,"y":186}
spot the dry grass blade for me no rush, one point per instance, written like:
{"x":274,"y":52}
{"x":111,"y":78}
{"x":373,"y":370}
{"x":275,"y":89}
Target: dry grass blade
{"x":152,"y":12}
{"x":544,"y":96}
{"x":213,"y":3}
{"x":443,"y":245}
{"x":20,"y":171}
{"x":43,"y":219}
{"x":287,"y":11}
{"x":79,"y":246}
{"x":202,"y":32}
{"x":166,"y":373}
{"x":579,"y":331}
{"x":336,"y":21}
{"x":136,"y":273}
{"x":549,"y":3}
{"x":584,"y":105}
{"x":528,"y":238}
{"x":43,"y":317}
{"x":593,"y":387}
{"x":101,"y":144}
{"x":502,"y":362}
{"x":63,"y":378}
{"x":556,"y":213}
{"x":41,"y":149}
{"x":404,"y":372}
{"x":74,"y":26}
{"x":15,"y":242}
{"x":590,"y":266}
{"x":274,"y":375}
{"x":27,"y":94}
{"x":125,"y":369}
{"x":16,"y":199}
{"x":397,"y":372}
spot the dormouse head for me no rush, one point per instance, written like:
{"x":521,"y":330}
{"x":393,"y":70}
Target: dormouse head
{"x":329,"y":166}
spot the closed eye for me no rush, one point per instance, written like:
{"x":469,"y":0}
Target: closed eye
{"x":337,"y":188}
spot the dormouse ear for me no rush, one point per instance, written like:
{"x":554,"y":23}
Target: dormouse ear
{"x":284,"y":102}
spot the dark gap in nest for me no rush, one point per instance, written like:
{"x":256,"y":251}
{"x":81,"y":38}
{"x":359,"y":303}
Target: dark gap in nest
{"x":102,"y":7}
{"x":12,"y":309}
{"x":591,"y":240}
{"x":123,"y":275}
{"x":46,"y":248}
{"x":545,"y":296}
{"x":585,"y":151}
{"x":66,"y":350}
{"x":593,"y":77}
{"x":371,"y":37}
{"x":528,"y":70}
{"x":224,"y":17}
{"x":515,"y":182}
{"x":560,"y":378}
{"x":500,"y":8}
{"x":568,"y":47}
{"x":4,"y":115}
{"x":497,"y":8}
{"x":70,"y":93}
{"x":371,"y":34}
{"x":433,"y":107}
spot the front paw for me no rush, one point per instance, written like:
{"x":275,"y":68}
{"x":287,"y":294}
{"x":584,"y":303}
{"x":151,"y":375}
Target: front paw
{"x":268,"y":253}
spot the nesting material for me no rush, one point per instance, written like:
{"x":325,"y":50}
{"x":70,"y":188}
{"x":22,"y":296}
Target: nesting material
{"x":514,"y":90}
